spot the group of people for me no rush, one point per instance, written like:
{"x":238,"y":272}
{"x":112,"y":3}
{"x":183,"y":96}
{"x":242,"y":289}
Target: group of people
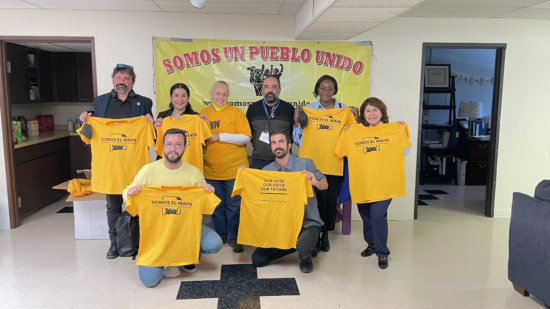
{"x":271,"y":125}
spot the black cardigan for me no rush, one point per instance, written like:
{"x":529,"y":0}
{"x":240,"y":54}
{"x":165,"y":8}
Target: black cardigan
{"x":168,"y":113}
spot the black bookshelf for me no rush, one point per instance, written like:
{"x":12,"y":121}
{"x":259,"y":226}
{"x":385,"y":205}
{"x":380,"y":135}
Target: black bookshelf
{"x":430,"y":173}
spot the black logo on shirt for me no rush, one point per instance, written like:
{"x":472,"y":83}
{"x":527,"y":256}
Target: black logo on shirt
{"x":118,"y":141}
{"x":321,"y":126}
{"x":325,"y":122}
{"x":171,"y":211}
{"x":214,"y":124}
{"x":171,"y":201}
{"x":371,"y":143}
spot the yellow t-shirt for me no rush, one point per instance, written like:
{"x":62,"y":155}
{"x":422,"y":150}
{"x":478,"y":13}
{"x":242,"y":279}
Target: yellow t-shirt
{"x":272,"y":207}
{"x":376,"y":159}
{"x":120,"y":148}
{"x":221,"y":160}
{"x":321,"y":135}
{"x":80,"y":187}
{"x":197,"y":132}
{"x":170,"y":220}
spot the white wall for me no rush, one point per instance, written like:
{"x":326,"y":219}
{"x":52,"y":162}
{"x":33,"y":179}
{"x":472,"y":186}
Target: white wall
{"x":523,"y":154}
{"x":126,"y":37}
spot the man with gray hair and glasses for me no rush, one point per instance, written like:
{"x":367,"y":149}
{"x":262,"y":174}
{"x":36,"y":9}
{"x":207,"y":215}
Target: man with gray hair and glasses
{"x":122,"y":102}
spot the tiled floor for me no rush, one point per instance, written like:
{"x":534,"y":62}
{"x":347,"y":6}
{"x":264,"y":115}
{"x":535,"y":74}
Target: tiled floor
{"x":451,"y":257}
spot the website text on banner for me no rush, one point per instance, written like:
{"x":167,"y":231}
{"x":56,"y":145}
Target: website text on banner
{"x":244,"y":65}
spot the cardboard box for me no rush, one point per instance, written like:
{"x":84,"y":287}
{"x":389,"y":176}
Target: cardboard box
{"x":72,"y":198}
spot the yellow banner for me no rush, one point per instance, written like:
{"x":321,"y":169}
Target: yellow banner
{"x":244,"y":65}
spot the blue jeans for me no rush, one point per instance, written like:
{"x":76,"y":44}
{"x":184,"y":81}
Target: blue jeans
{"x":375,"y":225}
{"x":226,"y":217}
{"x":210,"y":244}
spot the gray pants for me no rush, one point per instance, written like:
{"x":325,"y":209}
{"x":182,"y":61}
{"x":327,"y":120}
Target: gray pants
{"x":305,"y":245}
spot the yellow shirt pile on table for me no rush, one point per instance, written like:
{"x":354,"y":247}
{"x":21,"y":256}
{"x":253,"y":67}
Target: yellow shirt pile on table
{"x":321,"y":135}
{"x":197,"y":133}
{"x":120,"y":148}
{"x":80,"y":187}
{"x":272,"y":207}
{"x":221,"y":160}
{"x":376,"y":160}
{"x":170,"y":220}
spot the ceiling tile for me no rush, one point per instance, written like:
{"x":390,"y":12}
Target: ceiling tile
{"x":528,"y":13}
{"x":47,"y":47}
{"x":232,"y":1}
{"x":76,"y":47}
{"x":307,"y":12}
{"x":483,"y":3}
{"x":221,"y":8}
{"x":455,"y":12}
{"x":101,"y":5}
{"x":542,"y":5}
{"x":290,"y":9}
{"x":343,"y":14}
{"x":300,"y":2}
{"x":377,"y":3}
{"x":326,"y":36}
{"x":341,"y":27}
{"x":16,"y":4}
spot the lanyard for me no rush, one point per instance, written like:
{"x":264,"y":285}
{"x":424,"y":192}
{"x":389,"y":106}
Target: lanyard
{"x":272,"y":112}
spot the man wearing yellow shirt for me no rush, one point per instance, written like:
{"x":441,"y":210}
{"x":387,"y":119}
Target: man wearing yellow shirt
{"x":172,"y":171}
{"x":311,"y":226}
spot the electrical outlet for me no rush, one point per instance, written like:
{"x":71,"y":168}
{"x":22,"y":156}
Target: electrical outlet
{"x":18,"y":202}
{"x":9,"y":67}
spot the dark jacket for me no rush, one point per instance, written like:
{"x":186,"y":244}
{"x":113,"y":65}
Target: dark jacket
{"x":257,"y":118}
{"x":168,"y":113}
{"x":141,"y":105}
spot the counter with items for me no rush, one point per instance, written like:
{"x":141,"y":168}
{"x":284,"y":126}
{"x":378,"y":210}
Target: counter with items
{"x":60,"y":131}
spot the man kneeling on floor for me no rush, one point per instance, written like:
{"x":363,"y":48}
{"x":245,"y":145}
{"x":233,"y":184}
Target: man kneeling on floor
{"x":306,"y":245}
{"x":169,"y":221}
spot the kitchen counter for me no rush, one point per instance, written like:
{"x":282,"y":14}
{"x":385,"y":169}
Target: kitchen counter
{"x":60,"y":131}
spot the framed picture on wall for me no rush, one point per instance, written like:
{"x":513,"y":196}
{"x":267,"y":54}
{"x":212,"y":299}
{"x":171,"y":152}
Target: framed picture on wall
{"x":437,"y":76}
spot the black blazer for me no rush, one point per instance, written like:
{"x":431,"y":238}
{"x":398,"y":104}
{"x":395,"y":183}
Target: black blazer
{"x":141,"y":105}
{"x":168,"y":113}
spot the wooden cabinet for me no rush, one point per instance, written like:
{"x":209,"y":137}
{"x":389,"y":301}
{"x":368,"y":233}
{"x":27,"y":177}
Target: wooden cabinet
{"x":72,"y":80}
{"x":45,"y":76}
{"x":477,"y":154}
{"x":84,"y":76}
{"x":18,"y":75}
{"x":37,"y":169}
{"x":64,"y":77}
{"x":81,"y":156}
{"x":54,"y":77}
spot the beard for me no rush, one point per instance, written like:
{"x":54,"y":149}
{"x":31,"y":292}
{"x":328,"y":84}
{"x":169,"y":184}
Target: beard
{"x":281,"y":154}
{"x":175,"y":160}
{"x":121,"y":88}
{"x":270,"y":97}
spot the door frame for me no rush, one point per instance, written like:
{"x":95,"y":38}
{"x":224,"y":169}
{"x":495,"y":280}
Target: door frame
{"x":5,"y":109}
{"x":495,"y":117}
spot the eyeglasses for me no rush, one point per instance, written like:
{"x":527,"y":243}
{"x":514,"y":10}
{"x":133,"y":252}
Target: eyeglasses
{"x":121,"y":65}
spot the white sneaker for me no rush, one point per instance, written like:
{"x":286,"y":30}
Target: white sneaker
{"x":171,"y":271}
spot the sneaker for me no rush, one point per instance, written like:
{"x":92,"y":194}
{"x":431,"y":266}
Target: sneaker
{"x":368,"y":252}
{"x":237,"y":248}
{"x":112,"y":253}
{"x":225,"y":241}
{"x":189,"y":268}
{"x":306,"y":265}
{"x":383,"y":262}
{"x":171,"y":271}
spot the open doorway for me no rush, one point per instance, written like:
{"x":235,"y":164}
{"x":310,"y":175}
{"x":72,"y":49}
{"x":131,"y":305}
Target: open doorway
{"x":459,"y":126}
{"x":45,"y":83}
